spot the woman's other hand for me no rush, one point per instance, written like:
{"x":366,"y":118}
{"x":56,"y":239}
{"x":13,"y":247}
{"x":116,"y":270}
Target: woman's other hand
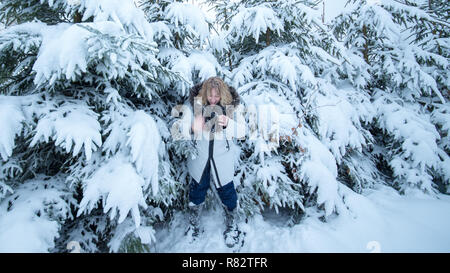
{"x":223,"y":120}
{"x":198,"y":124}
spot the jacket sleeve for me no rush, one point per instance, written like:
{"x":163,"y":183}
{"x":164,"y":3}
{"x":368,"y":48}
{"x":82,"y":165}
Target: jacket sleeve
{"x":236,"y":126}
{"x":181,"y":128}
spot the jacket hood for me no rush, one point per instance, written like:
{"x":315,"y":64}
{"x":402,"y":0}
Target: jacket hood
{"x":196,"y":89}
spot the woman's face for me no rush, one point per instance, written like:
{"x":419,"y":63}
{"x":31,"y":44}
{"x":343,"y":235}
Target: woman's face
{"x":214,"y":97}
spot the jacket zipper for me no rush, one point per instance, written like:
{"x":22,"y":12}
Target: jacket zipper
{"x":211,"y":158}
{"x":217,"y":173}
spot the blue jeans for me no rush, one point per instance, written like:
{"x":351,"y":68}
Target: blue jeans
{"x":197,"y":191}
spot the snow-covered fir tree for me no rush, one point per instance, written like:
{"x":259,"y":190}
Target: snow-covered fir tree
{"x":84,"y":134}
{"x":305,"y":123}
{"x":90,"y":93}
{"x":182,"y":31}
{"x":405,"y":51}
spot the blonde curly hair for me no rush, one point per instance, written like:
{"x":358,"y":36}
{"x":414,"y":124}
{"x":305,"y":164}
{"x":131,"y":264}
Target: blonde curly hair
{"x":220,"y":86}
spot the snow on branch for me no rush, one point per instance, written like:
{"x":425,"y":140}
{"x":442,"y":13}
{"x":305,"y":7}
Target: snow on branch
{"x":412,"y":12}
{"x":255,"y":20}
{"x":31,"y":218}
{"x":197,"y":61}
{"x":117,"y":184}
{"x":283,"y":62}
{"x":191,"y":17}
{"x":144,"y":141}
{"x":128,"y":17}
{"x":136,"y":134}
{"x":319,"y":172}
{"x":24,"y":37}
{"x":132,"y":148}
{"x":441,"y":116}
{"x":339,"y":124}
{"x":205,"y":63}
{"x":68,"y":51}
{"x":11,"y":118}
{"x":296,"y":11}
{"x":415,"y":152}
{"x":72,"y":125}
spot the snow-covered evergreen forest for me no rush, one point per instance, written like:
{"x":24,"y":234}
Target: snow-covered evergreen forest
{"x":89,"y":98}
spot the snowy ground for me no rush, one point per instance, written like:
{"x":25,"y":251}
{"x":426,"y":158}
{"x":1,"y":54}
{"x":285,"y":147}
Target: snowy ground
{"x":378,"y":221}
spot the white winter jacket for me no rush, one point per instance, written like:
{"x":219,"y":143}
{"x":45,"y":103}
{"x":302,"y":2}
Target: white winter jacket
{"x":217,"y":148}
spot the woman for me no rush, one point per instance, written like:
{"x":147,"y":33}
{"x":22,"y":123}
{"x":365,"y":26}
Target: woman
{"x":217,"y":119}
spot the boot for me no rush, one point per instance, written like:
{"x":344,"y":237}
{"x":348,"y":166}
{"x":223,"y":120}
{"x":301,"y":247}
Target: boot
{"x":232,"y":232}
{"x":194,"y":220}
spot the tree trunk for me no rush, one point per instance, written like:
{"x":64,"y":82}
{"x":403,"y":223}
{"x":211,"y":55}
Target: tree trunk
{"x":323,"y":13}
{"x":268,"y":32}
{"x":229,"y":60}
{"x":366,"y":45}
{"x":77,"y":17}
{"x":177,"y":41}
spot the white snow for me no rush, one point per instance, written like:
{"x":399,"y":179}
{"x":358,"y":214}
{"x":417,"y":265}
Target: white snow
{"x":190,"y":16}
{"x":418,"y":134}
{"x":27,"y":217}
{"x":319,"y":171}
{"x":72,"y":124}
{"x":118,"y":149}
{"x":144,"y":140}
{"x":202,"y":62}
{"x":333,"y":8}
{"x":119,"y":187}
{"x":11,"y":118}
{"x":64,"y":52}
{"x":379,"y":220}
{"x":205,"y":63}
{"x":255,"y":20}
{"x":128,"y":16}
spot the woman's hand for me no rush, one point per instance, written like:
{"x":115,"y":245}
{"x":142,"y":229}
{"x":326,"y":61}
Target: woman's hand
{"x":223,"y":120}
{"x":198,"y":124}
